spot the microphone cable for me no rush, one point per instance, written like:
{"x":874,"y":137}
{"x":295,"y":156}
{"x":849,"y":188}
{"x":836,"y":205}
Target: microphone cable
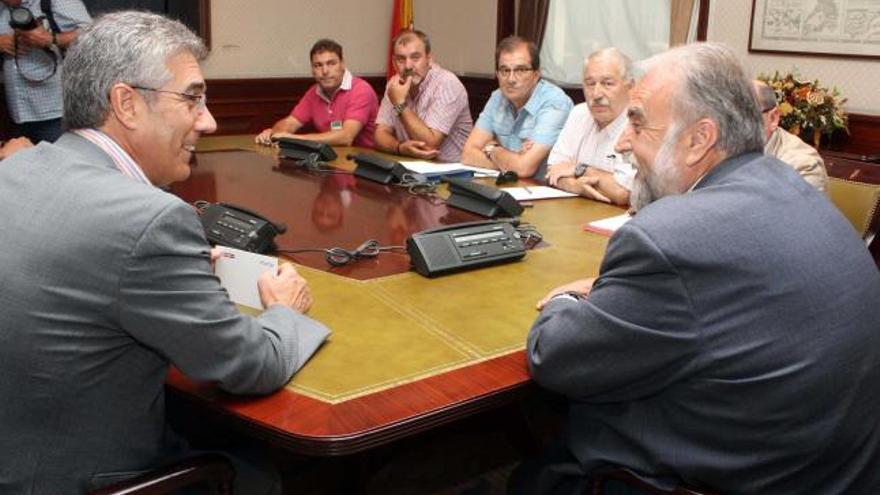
{"x":337,"y":256}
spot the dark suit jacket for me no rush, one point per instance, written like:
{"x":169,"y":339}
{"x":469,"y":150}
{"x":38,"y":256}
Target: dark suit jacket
{"x":104,"y":282}
{"x":732,"y":340}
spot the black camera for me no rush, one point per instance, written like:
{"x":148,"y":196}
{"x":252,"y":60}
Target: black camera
{"x":21,"y":18}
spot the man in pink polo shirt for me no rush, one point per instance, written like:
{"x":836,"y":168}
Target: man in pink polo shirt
{"x":424,"y":112}
{"x":340,"y":108}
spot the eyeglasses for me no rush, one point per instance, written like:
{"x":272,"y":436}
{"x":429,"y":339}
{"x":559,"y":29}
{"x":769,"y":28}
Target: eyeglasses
{"x":516,"y":71}
{"x":199,"y":101}
{"x":765,"y":110}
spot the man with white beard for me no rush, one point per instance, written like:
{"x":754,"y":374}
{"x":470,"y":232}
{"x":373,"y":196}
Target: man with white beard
{"x":730,"y":339}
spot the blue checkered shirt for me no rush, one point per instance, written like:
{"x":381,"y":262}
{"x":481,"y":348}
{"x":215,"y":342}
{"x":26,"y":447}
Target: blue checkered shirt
{"x":35,"y":101}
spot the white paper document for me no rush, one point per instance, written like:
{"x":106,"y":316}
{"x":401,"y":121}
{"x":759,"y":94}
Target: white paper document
{"x":608,"y":226}
{"x":537,"y":192}
{"x":238,"y":272}
{"x":423,"y":167}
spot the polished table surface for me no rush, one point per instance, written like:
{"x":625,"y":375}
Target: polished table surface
{"x":407,"y":353}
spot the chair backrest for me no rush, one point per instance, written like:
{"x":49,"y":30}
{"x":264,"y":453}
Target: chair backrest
{"x":859,"y":202}
{"x":213,"y":470}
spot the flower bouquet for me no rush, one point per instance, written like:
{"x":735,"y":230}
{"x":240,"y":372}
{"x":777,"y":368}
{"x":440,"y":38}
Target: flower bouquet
{"x":806,"y":108}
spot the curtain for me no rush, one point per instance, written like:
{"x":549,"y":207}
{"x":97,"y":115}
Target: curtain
{"x":531,"y":20}
{"x":680,"y":23}
{"x":576,"y":28}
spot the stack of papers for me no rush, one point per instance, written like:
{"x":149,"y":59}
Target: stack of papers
{"x":431,"y":168}
{"x":537,"y":192}
{"x":238,"y":272}
{"x":607,"y":226}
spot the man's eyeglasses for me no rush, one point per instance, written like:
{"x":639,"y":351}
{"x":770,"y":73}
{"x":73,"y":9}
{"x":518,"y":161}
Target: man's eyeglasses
{"x":516,"y":71}
{"x":199,"y":101}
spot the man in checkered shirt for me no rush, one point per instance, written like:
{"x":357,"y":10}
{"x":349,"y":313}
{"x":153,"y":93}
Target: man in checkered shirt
{"x":33,"y":76}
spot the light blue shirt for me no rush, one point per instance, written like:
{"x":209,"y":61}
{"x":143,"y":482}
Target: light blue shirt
{"x":540,"y":119}
{"x":40,"y":98}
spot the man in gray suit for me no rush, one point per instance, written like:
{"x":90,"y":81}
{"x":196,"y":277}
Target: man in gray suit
{"x":731,"y":339}
{"x":106,"y":280}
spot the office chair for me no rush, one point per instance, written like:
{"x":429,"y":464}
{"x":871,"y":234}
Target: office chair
{"x":209,"y":469}
{"x":623,"y":475}
{"x":860,"y":204}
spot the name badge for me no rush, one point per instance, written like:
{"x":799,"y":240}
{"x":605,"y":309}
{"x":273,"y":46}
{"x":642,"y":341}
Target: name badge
{"x":336,"y":125}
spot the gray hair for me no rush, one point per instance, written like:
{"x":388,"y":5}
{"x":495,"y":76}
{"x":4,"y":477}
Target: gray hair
{"x":623,"y":62}
{"x":712,"y":84}
{"x":129,"y":47}
{"x":765,"y":95}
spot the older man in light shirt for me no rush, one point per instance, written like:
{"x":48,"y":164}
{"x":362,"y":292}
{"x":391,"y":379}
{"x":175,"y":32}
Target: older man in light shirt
{"x":583,"y":160}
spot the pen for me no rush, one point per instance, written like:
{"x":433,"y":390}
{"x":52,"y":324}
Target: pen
{"x":527,"y":190}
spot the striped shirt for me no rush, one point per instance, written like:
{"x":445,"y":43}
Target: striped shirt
{"x":121,"y":159}
{"x":442,"y":104}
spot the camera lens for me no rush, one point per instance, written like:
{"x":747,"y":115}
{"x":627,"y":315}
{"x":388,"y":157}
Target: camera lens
{"x":21,"y":18}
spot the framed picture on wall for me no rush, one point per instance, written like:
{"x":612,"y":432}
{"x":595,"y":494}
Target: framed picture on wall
{"x":849,"y":28}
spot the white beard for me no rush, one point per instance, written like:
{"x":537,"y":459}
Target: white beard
{"x":663,"y":178}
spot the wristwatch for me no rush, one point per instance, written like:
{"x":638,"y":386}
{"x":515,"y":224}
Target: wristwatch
{"x":399,"y":108}
{"x":488,"y":149}
{"x":570,"y":295}
{"x":579,"y":170}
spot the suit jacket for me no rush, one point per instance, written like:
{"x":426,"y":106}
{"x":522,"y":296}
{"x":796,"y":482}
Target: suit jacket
{"x":731,"y":340}
{"x":104,"y":282}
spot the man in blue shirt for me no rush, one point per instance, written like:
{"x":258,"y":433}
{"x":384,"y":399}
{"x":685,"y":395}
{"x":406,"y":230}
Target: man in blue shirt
{"x":523,"y":117}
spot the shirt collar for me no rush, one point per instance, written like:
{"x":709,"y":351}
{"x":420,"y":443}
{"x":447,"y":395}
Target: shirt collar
{"x":345,"y":86}
{"x":119,"y":156}
{"x":617,"y":124}
{"x":533,"y":104}
{"x":429,"y":77}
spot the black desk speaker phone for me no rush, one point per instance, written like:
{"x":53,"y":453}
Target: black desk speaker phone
{"x":234,"y":226}
{"x":377,"y":169}
{"x":464,"y":246}
{"x":303,"y":149}
{"x":481,"y":199}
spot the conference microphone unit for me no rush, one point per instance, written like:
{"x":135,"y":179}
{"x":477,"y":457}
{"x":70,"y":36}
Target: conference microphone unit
{"x":377,"y":169}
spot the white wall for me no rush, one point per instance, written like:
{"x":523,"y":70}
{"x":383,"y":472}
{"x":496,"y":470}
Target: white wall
{"x":271,"y":38}
{"x":462,"y":33}
{"x":856,"y":78}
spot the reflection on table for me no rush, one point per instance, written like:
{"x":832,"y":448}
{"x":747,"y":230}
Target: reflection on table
{"x":407,"y":353}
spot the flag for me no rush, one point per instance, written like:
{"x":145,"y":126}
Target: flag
{"x":401,"y":18}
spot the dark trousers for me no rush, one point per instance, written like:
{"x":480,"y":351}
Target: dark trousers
{"x":557,"y":472}
{"x":40,"y":130}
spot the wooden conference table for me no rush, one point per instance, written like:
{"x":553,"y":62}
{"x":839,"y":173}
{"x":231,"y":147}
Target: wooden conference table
{"x":407,"y":353}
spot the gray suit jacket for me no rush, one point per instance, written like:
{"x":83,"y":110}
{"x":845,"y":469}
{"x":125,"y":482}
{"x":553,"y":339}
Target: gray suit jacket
{"x":104,"y":282}
{"x":730,"y":341}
